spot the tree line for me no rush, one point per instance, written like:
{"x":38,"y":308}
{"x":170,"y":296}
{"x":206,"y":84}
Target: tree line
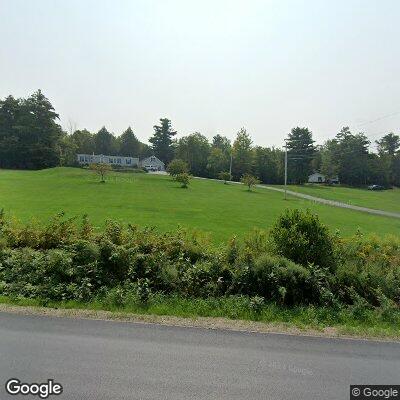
{"x":31,"y":138}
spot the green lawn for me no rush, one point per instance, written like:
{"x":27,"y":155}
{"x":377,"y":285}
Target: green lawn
{"x":388,"y":200}
{"x":155,"y":200}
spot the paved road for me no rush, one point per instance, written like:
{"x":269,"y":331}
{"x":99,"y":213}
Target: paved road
{"x":115,"y":360}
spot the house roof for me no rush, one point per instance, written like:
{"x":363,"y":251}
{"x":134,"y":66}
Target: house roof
{"x":149,"y":159}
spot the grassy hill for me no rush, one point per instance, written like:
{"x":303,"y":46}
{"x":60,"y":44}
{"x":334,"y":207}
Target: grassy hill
{"x":388,"y":200}
{"x":155,"y":200}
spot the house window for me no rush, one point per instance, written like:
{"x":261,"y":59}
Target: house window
{"x":110,"y":160}
{"x":81,"y":159}
{"x":128,"y":161}
{"x":118,"y":160}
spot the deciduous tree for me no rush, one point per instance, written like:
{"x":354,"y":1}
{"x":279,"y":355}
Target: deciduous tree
{"x":225,"y":176}
{"x":194,"y":149}
{"x":176,"y":167}
{"x":242,"y":154}
{"x":101,"y":169}
{"x":249,"y":181}
{"x":183,"y":179}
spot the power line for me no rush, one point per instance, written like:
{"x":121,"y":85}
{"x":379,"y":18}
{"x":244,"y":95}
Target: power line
{"x":377,"y":119}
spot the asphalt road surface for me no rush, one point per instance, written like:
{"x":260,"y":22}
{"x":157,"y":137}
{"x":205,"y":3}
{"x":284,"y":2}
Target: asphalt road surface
{"x":116,"y":360}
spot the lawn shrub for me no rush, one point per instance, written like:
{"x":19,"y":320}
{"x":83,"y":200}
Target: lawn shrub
{"x":183,"y":179}
{"x":205,"y":278}
{"x":369,"y":265}
{"x":177,"y":166}
{"x":301,"y":237}
{"x":256,"y":304}
{"x":272,"y":273}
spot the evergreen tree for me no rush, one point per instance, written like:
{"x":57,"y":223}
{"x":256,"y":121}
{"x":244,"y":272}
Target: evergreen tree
{"x":396,"y":170}
{"x":10,"y":110}
{"x":29,"y":135}
{"x":389,"y":144}
{"x":105,"y":142}
{"x":389,"y":152}
{"x":129,"y":145}
{"x":300,"y":148}
{"x":162,"y":140}
{"x":351,"y":157}
{"x":222,"y":143}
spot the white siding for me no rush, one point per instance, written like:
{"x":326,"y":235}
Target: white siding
{"x":316,"y":178}
{"x":153,"y":163}
{"x":113,"y":160}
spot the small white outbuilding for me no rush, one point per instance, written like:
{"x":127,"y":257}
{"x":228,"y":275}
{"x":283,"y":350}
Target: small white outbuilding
{"x":316,"y":178}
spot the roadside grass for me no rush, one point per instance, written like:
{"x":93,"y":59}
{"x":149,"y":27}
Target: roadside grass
{"x":221,"y":211}
{"x":387,"y":200}
{"x":347,"y":321}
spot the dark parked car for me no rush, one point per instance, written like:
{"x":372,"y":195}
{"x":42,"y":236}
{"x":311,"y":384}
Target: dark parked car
{"x":375,"y":187}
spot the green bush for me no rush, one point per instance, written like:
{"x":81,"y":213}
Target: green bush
{"x":256,"y":304}
{"x":271,"y":273}
{"x":369,"y":265}
{"x":64,"y":261}
{"x":183,"y":179}
{"x":225,"y":176}
{"x":249,"y":181}
{"x":205,"y":278}
{"x":302,"y":238}
{"x":176,"y":167}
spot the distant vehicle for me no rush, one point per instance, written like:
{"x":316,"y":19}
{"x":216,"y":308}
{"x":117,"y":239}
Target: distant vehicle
{"x":375,"y":187}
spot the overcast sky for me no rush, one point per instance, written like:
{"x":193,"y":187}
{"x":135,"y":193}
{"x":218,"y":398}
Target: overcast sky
{"x":210,"y":66}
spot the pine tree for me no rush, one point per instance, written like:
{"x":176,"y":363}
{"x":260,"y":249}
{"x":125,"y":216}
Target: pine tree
{"x":162,"y":140}
{"x":300,"y":147}
{"x":129,"y":145}
{"x":29,"y":135}
{"x":105,"y":142}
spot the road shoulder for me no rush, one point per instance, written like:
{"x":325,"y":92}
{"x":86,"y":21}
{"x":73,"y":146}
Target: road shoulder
{"x":197,"y":322}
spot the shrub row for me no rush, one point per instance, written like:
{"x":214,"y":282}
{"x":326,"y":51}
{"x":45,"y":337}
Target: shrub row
{"x":297,"y":262}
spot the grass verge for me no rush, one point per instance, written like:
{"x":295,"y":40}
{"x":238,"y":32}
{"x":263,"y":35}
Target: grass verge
{"x":231,"y":313}
{"x":218,"y":210}
{"x":387,"y":200}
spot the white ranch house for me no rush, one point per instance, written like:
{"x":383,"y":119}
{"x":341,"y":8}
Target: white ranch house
{"x":151,"y":163}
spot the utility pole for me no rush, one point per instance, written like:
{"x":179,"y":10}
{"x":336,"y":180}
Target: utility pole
{"x":285,"y":170}
{"x":230,"y":165}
